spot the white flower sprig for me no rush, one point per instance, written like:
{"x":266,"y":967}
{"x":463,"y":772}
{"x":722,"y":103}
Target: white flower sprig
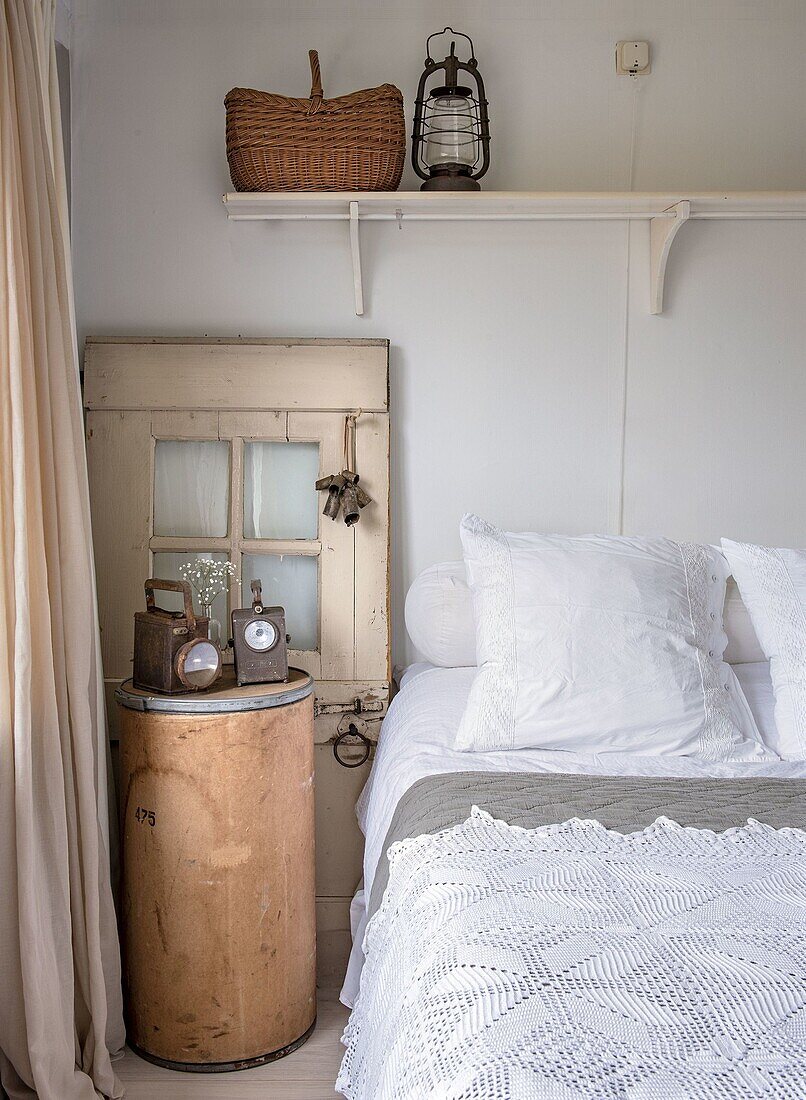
{"x":207,"y":578}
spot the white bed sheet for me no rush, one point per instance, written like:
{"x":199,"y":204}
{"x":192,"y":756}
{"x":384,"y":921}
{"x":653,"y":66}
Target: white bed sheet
{"x":417,"y":741}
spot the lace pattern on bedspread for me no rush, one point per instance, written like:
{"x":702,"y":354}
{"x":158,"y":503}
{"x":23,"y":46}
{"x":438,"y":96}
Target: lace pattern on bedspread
{"x":570,"y":961}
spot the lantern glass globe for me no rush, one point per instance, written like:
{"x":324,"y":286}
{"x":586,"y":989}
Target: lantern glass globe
{"x":452,"y":131}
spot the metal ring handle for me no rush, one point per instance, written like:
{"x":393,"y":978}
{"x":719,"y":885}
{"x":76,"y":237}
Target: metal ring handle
{"x":445,"y":30}
{"x":352,"y":731}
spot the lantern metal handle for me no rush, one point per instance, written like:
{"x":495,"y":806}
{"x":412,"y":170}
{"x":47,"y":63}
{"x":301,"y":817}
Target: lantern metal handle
{"x":154,"y":583}
{"x":428,"y":58}
{"x":257,"y":597}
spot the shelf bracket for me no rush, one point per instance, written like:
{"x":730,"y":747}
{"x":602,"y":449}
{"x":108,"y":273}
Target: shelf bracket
{"x":662,"y":231}
{"x":355,"y":254}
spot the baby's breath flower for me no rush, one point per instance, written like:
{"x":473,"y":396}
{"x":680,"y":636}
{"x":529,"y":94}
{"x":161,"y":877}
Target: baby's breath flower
{"x":207,"y":578}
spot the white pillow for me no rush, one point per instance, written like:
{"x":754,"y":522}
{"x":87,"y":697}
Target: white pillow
{"x":439,"y":616}
{"x":773,"y":586}
{"x":439,"y":619}
{"x":744,"y":647}
{"x":601,"y":644}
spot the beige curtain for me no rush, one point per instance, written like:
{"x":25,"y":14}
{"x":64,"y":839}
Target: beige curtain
{"x":60,"y":1010}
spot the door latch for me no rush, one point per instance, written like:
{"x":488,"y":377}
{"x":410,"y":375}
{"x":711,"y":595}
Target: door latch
{"x":367,"y":704}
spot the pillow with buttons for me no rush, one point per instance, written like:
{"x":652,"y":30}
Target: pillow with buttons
{"x":601,"y":644}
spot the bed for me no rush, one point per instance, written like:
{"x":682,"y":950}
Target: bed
{"x":422,"y":787}
{"x":585,"y":859}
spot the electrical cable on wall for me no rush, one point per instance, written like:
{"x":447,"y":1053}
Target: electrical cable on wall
{"x":636,"y":83}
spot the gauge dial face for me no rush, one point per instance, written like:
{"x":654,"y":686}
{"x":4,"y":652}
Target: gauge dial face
{"x":260,"y":635}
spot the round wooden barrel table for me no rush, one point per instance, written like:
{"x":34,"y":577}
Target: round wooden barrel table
{"x":218,"y":897}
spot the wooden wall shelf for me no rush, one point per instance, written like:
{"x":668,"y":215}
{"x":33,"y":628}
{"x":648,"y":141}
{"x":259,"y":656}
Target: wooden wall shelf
{"x":666,"y":213}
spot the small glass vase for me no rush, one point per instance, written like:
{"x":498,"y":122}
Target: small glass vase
{"x":213,"y":625}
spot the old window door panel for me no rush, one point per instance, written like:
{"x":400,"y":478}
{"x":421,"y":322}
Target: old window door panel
{"x":139,"y":391}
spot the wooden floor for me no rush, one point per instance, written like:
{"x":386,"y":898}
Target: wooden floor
{"x":307,"y":1074}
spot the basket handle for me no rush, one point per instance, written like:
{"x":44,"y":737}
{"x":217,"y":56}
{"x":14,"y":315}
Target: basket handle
{"x":316,"y":83}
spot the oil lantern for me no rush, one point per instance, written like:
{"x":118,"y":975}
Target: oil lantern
{"x":450,"y":146}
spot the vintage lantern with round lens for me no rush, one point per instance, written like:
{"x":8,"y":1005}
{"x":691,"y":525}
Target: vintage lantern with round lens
{"x":259,"y":641}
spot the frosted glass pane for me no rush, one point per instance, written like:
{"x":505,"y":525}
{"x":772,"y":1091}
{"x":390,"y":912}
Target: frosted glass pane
{"x":279,"y":490}
{"x":166,"y":567}
{"x":291,"y":581}
{"x":191,"y":487}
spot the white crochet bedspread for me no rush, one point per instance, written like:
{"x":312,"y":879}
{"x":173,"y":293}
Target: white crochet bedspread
{"x":570,"y":962}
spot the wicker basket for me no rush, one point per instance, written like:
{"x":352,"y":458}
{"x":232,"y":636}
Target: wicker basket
{"x":354,"y":143}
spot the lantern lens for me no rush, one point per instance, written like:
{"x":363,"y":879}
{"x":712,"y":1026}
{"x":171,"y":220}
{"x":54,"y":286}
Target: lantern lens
{"x":260,"y":634}
{"x":451,"y":126}
{"x":202,"y":662}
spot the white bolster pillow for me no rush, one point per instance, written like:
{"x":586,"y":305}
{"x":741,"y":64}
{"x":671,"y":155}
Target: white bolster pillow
{"x":439,"y":619}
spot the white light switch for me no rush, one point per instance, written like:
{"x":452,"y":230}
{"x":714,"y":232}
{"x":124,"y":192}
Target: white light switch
{"x":632,"y":58}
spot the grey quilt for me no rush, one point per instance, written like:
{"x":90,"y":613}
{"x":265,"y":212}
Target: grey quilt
{"x":623,"y":803}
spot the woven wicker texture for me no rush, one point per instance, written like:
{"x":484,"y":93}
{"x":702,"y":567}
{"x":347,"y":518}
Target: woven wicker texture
{"x":356,"y":142}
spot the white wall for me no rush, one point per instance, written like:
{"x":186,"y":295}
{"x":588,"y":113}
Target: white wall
{"x":509,"y":342}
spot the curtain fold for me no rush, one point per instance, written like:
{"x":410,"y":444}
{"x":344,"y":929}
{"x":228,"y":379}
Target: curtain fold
{"x":60,"y":1001}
